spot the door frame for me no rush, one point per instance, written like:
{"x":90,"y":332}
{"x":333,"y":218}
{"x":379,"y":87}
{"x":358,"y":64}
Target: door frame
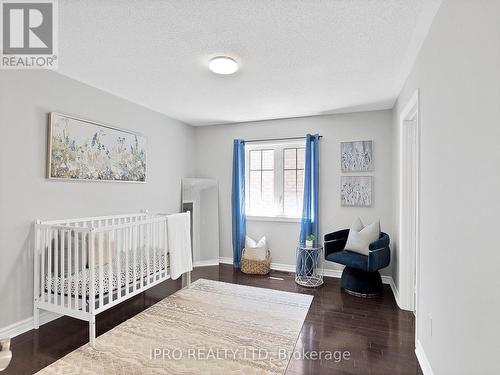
{"x":409,"y":264}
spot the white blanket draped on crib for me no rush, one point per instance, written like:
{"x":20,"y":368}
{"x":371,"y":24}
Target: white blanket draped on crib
{"x":179,"y":244}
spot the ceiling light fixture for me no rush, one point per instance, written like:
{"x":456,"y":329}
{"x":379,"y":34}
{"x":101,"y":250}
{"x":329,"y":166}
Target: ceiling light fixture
{"x":223,"y":65}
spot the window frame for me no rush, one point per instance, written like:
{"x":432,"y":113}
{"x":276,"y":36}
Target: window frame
{"x":261,"y":170}
{"x":296,"y":170}
{"x":279,"y":180}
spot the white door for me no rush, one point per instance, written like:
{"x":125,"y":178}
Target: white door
{"x":409,"y":203}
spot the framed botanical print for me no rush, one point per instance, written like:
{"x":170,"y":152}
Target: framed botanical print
{"x":356,"y":156}
{"x":356,"y":191}
{"x":84,"y":150}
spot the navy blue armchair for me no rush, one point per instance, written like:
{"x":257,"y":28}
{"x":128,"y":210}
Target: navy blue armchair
{"x":360,"y":276}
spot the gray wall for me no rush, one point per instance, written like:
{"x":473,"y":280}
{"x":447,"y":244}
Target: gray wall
{"x":25,"y":99}
{"x":458,"y":73}
{"x":215,"y":161}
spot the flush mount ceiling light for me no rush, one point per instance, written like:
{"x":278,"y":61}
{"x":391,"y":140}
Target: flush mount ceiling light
{"x":223,"y":65}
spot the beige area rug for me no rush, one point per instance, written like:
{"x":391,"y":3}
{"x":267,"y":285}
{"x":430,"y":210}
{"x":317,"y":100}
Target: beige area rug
{"x":209,"y":328}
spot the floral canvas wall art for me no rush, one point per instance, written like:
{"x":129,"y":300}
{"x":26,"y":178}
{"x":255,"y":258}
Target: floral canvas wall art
{"x":84,"y":150}
{"x":356,"y":156}
{"x":356,"y":190}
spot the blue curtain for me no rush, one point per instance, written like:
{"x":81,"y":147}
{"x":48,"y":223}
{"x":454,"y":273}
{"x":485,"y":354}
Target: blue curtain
{"x":310,"y":211}
{"x":238,"y":200}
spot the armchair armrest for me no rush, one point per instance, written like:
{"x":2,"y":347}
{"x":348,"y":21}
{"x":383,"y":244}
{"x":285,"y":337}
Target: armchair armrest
{"x":383,"y":241}
{"x":335,"y":241}
{"x":338,"y":235}
{"x":380,"y":253}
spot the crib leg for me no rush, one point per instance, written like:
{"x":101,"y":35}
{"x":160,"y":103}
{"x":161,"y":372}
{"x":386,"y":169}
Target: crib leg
{"x":92,"y":331}
{"x":186,"y":279}
{"x":36,"y":317}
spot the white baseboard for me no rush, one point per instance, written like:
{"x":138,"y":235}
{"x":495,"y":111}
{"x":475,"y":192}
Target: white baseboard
{"x":423,"y":360}
{"x":225,"y":260}
{"x":395,"y":291}
{"x":283,"y":267}
{"x":25,"y":325}
{"x":327,"y":272}
{"x":204,"y":263}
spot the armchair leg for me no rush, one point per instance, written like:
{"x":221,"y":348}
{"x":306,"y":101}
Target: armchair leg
{"x":361,"y":283}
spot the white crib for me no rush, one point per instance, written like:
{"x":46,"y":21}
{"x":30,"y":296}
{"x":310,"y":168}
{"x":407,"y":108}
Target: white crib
{"x":85,"y":266}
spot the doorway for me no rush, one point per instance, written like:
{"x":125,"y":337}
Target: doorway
{"x":409,"y":204}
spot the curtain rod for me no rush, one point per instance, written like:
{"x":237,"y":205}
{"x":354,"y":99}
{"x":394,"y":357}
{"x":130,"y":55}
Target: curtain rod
{"x":275,"y":139}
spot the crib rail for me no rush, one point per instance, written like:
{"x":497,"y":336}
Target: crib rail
{"x":84,"y":266}
{"x":109,"y":218}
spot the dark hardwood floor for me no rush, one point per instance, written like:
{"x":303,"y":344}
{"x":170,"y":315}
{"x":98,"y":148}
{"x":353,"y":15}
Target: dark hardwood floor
{"x":377,"y":334}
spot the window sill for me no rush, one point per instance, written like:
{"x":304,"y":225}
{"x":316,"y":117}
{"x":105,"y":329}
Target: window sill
{"x":283,"y":219}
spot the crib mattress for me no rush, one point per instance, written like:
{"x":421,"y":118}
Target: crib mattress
{"x":72,"y":287}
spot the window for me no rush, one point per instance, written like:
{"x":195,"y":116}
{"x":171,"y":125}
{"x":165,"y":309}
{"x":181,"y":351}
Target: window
{"x":293,"y":177}
{"x":261,"y":181}
{"x":274,"y":179}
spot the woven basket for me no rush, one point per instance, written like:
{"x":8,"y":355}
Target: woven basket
{"x":255,"y":267}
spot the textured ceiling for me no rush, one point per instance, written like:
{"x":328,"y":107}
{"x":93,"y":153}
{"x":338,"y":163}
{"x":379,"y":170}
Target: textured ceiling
{"x":297,"y":58}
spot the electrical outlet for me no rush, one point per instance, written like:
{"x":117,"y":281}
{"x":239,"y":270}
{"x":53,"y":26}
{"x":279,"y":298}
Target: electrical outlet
{"x":430,"y":324}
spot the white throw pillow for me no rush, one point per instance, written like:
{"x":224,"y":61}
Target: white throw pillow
{"x":255,"y":250}
{"x":250,"y":242}
{"x":359,"y":240}
{"x":357,"y":225}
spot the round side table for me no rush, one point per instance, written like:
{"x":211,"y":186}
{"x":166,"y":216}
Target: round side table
{"x":309,"y":268}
